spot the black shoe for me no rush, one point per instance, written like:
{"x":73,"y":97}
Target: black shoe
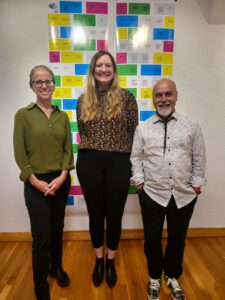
{"x":111,"y":276}
{"x":98,"y":272}
{"x":61,"y":276}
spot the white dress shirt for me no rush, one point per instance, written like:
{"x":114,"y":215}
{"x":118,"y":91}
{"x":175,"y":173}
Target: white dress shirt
{"x":169,"y":163}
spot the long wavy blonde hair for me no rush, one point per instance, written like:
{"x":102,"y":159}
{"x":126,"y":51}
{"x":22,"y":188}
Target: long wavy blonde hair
{"x":112,"y":102}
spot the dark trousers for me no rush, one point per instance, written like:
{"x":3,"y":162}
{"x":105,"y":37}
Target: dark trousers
{"x":153,"y":216}
{"x":105,"y":179}
{"x":47,"y":222}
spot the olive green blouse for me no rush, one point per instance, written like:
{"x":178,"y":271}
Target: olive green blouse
{"x":42,"y":144}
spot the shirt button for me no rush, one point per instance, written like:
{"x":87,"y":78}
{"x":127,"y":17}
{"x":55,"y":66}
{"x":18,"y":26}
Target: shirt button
{"x":169,"y":164}
{"x":50,"y":125}
{"x":169,"y":150}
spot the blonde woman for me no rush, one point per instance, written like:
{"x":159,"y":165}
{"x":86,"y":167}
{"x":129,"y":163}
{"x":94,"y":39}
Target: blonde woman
{"x":43,"y":152}
{"x":107,"y":117}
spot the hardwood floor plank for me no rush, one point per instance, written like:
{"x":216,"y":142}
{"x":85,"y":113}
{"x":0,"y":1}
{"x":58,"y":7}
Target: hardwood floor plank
{"x":203,"y":277}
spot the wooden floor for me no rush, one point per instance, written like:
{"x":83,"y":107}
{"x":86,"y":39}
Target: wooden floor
{"x":203,"y":277}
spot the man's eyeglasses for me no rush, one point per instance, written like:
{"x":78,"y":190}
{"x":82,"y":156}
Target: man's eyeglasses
{"x":39,"y":83}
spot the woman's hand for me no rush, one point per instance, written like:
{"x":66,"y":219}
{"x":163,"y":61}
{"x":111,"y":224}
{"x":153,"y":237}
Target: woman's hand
{"x":56,"y":183}
{"x":40,"y":185}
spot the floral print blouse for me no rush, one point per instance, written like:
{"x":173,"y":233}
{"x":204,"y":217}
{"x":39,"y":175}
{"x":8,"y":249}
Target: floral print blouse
{"x":114,"y":135}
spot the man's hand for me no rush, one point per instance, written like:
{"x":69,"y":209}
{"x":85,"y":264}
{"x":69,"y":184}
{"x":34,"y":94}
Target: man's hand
{"x":197,"y":189}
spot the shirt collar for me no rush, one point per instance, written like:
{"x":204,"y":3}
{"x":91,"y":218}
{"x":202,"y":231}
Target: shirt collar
{"x":33,"y":104}
{"x":157,"y":118}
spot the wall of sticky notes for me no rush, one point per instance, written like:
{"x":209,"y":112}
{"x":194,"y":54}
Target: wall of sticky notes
{"x":140,"y":35}
{"x":197,"y":67}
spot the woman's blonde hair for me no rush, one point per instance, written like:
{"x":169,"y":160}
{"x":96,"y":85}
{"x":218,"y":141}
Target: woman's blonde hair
{"x":112,"y":102}
{"x":34,"y":69}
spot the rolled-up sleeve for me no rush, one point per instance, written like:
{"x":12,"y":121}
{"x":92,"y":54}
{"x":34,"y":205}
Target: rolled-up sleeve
{"x":19,"y":143}
{"x":198,"y":158}
{"x":68,"y":162}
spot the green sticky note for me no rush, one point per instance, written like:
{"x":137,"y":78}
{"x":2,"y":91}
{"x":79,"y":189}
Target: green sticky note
{"x":73,"y":126}
{"x":75,"y":148}
{"x":57,"y":80}
{"x":139,"y":8}
{"x":127,"y":70}
{"x":84,"y":20}
{"x":57,"y":102}
{"x":132,"y":32}
{"x":132,"y":189}
{"x":133,"y":91}
{"x":88,"y":45}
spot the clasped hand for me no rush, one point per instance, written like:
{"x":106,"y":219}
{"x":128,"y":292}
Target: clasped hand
{"x":46,"y":188}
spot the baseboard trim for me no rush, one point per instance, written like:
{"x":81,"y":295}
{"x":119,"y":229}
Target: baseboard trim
{"x":126,"y":234}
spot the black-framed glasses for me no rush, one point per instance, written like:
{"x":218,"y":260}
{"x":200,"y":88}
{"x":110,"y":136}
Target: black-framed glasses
{"x":39,"y":83}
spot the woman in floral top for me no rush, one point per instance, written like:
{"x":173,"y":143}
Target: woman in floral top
{"x":107,"y":117}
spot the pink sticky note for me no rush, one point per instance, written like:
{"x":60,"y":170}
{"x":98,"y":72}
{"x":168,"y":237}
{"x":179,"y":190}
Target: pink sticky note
{"x":121,"y":8}
{"x":102,"y":45}
{"x":121,"y":57}
{"x":54,"y":56}
{"x":168,"y":46}
{"x":78,"y":137}
{"x":75,"y":190}
{"x":97,"y":8}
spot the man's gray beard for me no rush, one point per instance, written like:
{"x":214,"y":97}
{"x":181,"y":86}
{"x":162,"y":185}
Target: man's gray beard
{"x":164,"y":112}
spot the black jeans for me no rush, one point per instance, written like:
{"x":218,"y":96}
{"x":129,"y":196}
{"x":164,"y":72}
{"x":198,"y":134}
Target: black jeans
{"x":105,"y":179}
{"x":47,"y":222}
{"x":153,"y":216}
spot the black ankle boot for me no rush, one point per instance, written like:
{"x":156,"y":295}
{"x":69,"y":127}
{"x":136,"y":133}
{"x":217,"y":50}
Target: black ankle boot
{"x":98,"y":272}
{"x":111,"y":276}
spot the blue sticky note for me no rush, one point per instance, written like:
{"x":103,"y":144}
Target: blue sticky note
{"x":70,"y":104}
{"x":70,"y":200}
{"x":127,"y":21}
{"x":163,"y":34}
{"x":70,"y":7}
{"x":65,"y":32}
{"x":81,"y":69}
{"x":151,"y":70}
{"x":145,"y":114}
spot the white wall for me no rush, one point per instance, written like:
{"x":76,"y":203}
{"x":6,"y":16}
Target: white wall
{"x":199,"y":71}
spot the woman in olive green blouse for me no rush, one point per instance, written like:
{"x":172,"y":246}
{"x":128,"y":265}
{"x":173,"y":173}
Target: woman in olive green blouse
{"x":43,"y":152}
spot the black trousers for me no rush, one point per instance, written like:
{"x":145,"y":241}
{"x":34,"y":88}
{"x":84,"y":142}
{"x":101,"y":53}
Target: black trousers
{"x":47,"y":222}
{"x":153,"y":216}
{"x":105,"y":179}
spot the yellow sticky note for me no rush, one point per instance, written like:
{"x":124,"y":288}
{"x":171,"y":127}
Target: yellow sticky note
{"x":123,"y":81}
{"x":72,"y":57}
{"x":69,"y":114}
{"x":167,"y":70}
{"x":59,"y":44}
{"x":146,"y":93}
{"x":153,"y":106}
{"x":122,"y":34}
{"x":62,"y":93}
{"x":169,"y":22}
{"x":76,"y":81}
{"x":163,"y":58}
{"x":58,"y":20}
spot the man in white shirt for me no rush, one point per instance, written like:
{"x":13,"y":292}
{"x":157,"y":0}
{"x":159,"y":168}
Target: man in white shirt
{"x":168,"y":165}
